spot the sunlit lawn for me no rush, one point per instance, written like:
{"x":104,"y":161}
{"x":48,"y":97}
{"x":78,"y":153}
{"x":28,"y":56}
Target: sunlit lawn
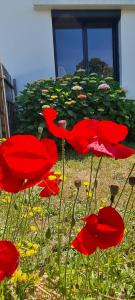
{"x":116,"y":270}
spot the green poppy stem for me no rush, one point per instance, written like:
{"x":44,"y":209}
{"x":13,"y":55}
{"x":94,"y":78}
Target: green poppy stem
{"x":90,"y":179}
{"x":130,"y":195}
{"x":7,"y":216}
{"x":69,"y":240}
{"x":125,"y":185}
{"x":60,"y":205}
{"x":2,"y":297}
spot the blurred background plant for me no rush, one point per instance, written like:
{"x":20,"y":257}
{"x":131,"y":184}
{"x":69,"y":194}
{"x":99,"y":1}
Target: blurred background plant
{"x":75,"y":97}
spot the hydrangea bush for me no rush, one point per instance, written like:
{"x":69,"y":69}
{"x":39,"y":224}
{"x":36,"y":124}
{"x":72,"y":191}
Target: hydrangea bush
{"x":41,"y":246}
{"x":75,"y":98}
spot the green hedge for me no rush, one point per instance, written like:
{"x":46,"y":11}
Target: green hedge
{"x":110,"y":104}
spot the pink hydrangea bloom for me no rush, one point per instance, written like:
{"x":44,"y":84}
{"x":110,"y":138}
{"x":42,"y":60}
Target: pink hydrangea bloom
{"x":77,"y":88}
{"x":104,"y":86}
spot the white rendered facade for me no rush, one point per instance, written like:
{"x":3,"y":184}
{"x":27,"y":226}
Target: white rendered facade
{"x":27,"y":49}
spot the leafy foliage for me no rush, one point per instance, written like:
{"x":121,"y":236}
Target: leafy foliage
{"x":110,"y":104}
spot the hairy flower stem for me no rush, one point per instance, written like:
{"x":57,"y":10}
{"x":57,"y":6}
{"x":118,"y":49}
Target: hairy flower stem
{"x":24,"y":228}
{"x":69,"y":239}
{"x":130,"y":195}
{"x":7,"y":216}
{"x":2,"y":297}
{"x":60,"y":205}
{"x":95,"y":183}
{"x":18,"y":224}
{"x":98,"y":274}
{"x":90,"y":178}
{"x":125,"y":185}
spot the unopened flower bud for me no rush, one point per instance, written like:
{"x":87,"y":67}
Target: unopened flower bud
{"x":62,"y":123}
{"x":77,"y":183}
{"x":114,"y":189}
{"x":95,"y":183}
{"x":40,"y":130}
{"x":132,"y":180}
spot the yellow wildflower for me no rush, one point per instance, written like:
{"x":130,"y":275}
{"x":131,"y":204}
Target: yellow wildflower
{"x":57,"y":173}
{"x":103,"y":200}
{"x":37,"y":209}
{"x":19,"y":276}
{"x":53,"y":97}
{"x":74,"y":290}
{"x":6,"y":200}
{"x":20,"y":244}
{"x":22,"y":252}
{"x":31,"y":214}
{"x":86,"y":183}
{"x":24,"y":215}
{"x":32,"y":245}
{"x":89,"y":194}
{"x":30,"y":252}
{"x":52,"y":177}
{"x":33,"y":228}
{"x":35,"y":246}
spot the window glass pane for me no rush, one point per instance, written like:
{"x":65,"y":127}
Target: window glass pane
{"x":100,"y":51}
{"x":69,"y":49}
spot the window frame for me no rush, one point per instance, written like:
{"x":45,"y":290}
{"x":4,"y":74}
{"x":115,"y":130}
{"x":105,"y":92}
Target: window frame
{"x":88,"y":19}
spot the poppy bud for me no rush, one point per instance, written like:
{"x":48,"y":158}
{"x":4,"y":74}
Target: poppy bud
{"x":48,"y":233}
{"x":77,"y":183}
{"x":132,"y":180}
{"x":95,"y":184}
{"x":73,"y":222}
{"x":62,"y":123}
{"x":40,"y":130}
{"x":114,"y":189}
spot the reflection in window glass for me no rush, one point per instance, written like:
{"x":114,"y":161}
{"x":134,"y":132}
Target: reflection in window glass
{"x":69,"y":47}
{"x":100,"y":51}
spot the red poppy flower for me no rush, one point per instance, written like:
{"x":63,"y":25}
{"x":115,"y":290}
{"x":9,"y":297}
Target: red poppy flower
{"x":50,"y":185}
{"x":9,"y":259}
{"x":79,"y":137}
{"x":24,"y":161}
{"x":102,"y":231}
{"x":100,"y":137}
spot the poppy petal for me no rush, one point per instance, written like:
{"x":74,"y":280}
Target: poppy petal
{"x":110,"y":228}
{"x":2,"y":275}
{"x":50,"y":149}
{"x":47,"y":191}
{"x":111,"y":132}
{"x":84,"y":242}
{"x":102,"y":149}
{"x":50,"y":115}
{"x":25,"y":156}
{"x":122,"y":151}
{"x":9,"y":259}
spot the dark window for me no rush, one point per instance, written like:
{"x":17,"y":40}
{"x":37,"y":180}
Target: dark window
{"x":100,"y":51}
{"x":69,"y":50}
{"x":86,"y":39}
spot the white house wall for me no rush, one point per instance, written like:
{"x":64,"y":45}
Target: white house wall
{"x":128,"y":51}
{"x":26,"y":42}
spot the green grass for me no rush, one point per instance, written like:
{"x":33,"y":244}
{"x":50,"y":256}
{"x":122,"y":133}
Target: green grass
{"x":114,"y":279}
